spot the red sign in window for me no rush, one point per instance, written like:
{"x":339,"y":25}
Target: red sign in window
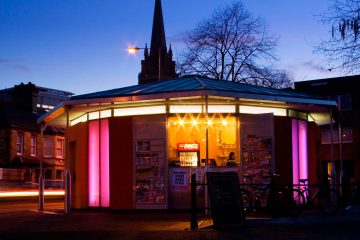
{"x":190,"y":147}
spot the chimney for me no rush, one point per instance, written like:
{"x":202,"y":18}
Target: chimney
{"x":25,"y":96}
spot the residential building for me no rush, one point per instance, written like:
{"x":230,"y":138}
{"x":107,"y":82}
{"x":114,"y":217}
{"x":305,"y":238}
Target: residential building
{"x":20,"y":141}
{"x":342,"y":146}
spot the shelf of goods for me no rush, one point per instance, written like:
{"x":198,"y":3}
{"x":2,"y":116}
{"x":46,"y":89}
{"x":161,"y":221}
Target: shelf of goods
{"x":150,"y":172}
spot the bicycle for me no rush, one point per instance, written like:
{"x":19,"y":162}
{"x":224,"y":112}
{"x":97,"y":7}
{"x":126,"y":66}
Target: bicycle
{"x":354,"y":198}
{"x":327,"y":198}
{"x":279,"y":200}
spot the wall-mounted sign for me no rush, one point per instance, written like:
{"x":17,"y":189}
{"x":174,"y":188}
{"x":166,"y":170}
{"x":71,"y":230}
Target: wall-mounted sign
{"x":191,"y":147}
{"x":179,"y":182}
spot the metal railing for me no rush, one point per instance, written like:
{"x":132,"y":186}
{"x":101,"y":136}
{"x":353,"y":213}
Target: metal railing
{"x":350,"y":196}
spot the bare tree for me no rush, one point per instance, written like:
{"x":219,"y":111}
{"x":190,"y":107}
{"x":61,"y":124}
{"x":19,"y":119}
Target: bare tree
{"x":232,"y":45}
{"x":343,"y":46}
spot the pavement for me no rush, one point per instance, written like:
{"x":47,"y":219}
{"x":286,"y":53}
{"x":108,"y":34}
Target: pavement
{"x":105,"y":224}
{"x":309,"y":217}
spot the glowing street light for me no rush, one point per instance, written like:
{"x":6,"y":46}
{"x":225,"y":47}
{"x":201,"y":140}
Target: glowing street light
{"x":132,"y":50}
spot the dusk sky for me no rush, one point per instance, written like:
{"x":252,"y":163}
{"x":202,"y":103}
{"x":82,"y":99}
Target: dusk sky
{"x":80,"y":45}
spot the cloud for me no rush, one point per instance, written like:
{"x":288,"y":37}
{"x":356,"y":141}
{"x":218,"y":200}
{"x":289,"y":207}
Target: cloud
{"x":11,"y":64}
{"x":177,"y":38}
{"x":309,"y":65}
{"x":314,"y":66}
{"x":22,"y":68}
{"x":4,"y":61}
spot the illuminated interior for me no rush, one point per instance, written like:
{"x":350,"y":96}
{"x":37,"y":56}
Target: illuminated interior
{"x":259,"y":110}
{"x":178,"y":109}
{"x":192,"y":128}
{"x":118,"y":112}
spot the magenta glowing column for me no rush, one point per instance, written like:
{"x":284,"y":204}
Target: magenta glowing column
{"x":99,"y":186}
{"x":94,"y":186}
{"x":295,"y":151}
{"x":299,"y":150}
{"x":303,"y":150}
{"x":104,"y":164}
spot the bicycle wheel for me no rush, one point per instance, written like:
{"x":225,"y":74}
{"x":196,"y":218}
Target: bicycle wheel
{"x":276,"y":202}
{"x":329,"y":202}
{"x":246,"y":200}
{"x":294,"y":202}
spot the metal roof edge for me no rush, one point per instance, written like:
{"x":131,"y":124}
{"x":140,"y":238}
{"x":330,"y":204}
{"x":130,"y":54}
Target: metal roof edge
{"x":57,"y":110}
{"x":139,"y":97}
{"x":60,"y":108}
{"x":200,"y":92}
{"x":274,"y":98}
{"x":307,"y":101}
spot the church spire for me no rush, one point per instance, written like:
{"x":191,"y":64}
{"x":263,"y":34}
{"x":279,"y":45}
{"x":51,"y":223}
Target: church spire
{"x":158,"y":65}
{"x":158,"y":40}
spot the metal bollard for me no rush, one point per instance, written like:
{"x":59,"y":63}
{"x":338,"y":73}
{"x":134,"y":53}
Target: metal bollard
{"x":193,"y":217}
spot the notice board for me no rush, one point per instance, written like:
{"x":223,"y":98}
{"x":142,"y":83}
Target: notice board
{"x":225,"y":199}
{"x":179,"y":180}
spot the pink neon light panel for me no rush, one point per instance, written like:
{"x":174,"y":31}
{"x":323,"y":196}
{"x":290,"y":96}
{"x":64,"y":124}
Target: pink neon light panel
{"x":104,"y":164}
{"x":99,"y":187}
{"x":299,"y":150}
{"x":295,"y":151}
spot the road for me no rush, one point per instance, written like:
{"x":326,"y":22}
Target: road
{"x":18,"y":205}
{"x":20,"y":220}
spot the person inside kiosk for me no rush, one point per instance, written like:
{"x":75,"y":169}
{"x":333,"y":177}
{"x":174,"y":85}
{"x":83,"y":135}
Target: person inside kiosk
{"x":231,"y":159}
{"x":213,"y":162}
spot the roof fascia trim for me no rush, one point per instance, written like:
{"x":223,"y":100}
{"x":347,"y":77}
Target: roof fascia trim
{"x":202,"y":93}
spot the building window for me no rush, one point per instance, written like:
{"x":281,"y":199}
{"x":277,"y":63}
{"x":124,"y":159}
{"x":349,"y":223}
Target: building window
{"x":59,"y":148}
{"x":222,"y":140}
{"x":346,"y":136}
{"x":20,"y":144}
{"x":33,"y":146}
{"x":47,"y":174}
{"x":345,"y":102}
{"x":48,"y":147}
{"x":37,"y":175}
{"x":59,"y":174}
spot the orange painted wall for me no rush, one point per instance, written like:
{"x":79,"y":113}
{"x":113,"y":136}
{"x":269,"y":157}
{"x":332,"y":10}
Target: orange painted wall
{"x":78,"y":140}
{"x":283,"y":149}
{"x":121,"y":163}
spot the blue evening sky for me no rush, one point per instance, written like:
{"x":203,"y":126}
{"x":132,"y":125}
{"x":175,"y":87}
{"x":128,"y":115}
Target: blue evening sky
{"x":80,"y":45}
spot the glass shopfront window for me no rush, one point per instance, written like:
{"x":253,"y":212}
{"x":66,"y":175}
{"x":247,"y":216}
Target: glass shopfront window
{"x":193,"y":136}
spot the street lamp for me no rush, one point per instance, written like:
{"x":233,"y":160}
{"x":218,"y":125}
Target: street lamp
{"x":133,"y":50}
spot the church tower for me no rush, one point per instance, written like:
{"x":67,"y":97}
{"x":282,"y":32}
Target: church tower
{"x":158,"y":64}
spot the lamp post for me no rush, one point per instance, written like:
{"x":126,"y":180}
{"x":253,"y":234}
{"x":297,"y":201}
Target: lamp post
{"x":67,"y":203}
{"x":133,"y":50}
{"x":41,"y":176}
